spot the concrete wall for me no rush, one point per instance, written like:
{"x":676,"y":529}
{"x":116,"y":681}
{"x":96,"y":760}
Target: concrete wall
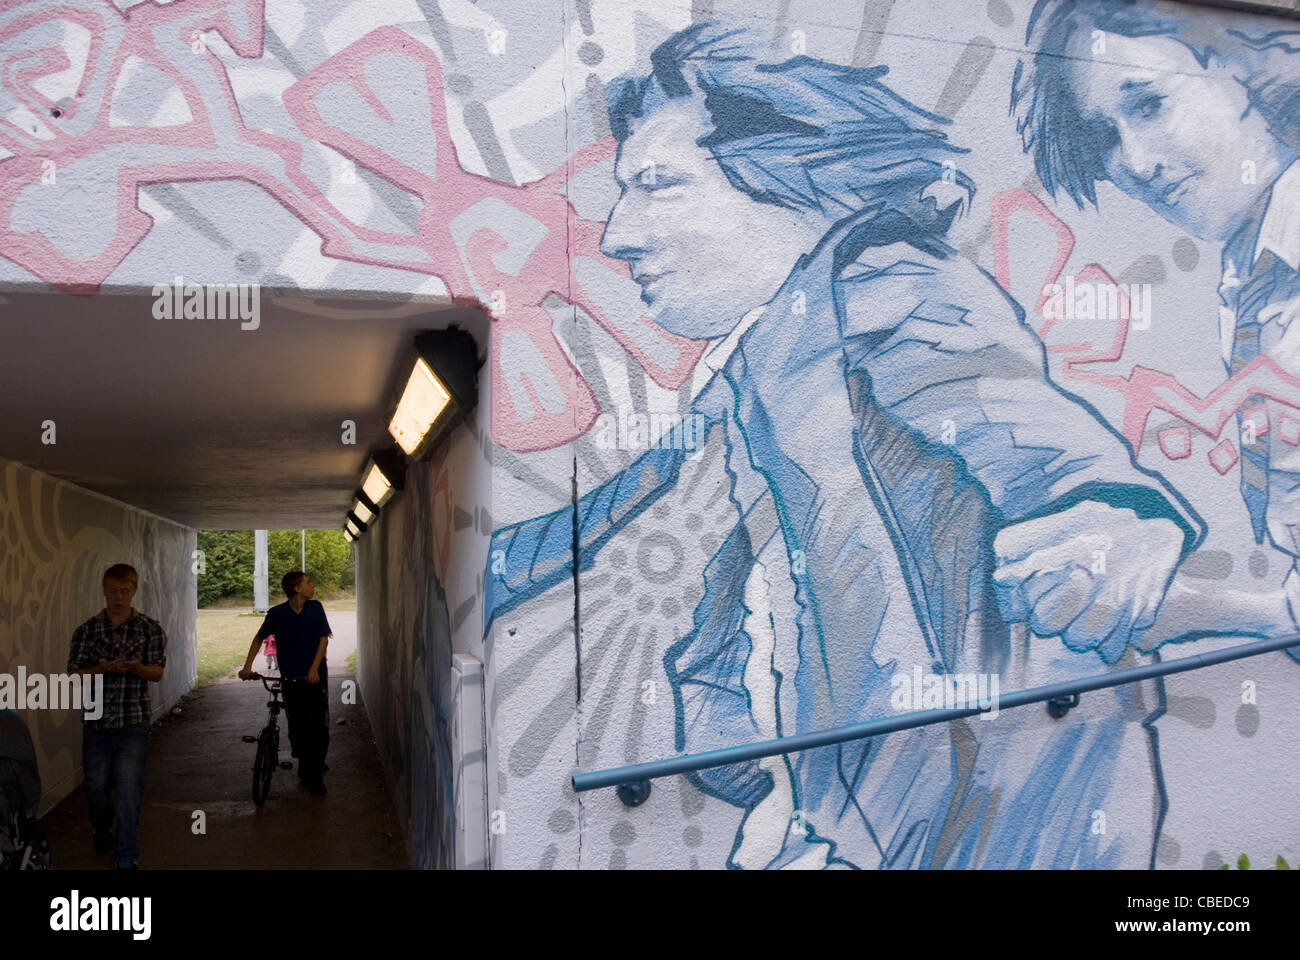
{"x":840,"y":524}
{"x":56,"y":541}
{"x":419,"y":600}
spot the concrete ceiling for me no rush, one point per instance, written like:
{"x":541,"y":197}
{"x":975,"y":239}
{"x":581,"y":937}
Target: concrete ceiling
{"x":197,"y":420}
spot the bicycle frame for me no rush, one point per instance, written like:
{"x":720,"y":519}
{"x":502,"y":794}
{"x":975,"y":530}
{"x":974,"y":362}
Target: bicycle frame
{"x":268,"y":741}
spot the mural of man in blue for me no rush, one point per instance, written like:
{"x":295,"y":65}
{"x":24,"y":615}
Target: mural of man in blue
{"x":891,"y":437}
{"x":1153,"y":110}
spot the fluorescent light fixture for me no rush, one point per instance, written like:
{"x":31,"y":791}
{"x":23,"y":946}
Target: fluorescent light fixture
{"x":438,"y":391}
{"x":348,"y":533}
{"x":376,"y":486}
{"x":423,"y":400}
{"x":351,"y":527}
{"x":362,"y":510}
{"x":357,"y":522}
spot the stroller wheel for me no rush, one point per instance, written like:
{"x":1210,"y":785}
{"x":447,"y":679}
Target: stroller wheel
{"x":39,"y":856}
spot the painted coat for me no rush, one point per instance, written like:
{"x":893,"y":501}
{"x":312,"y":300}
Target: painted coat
{"x":887,"y":415}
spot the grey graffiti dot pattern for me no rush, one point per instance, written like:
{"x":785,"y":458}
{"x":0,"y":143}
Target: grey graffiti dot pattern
{"x":1169,"y":851}
{"x":622,"y":833}
{"x":460,"y":84}
{"x":248,"y":263}
{"x":1207,"y":565}
{"x":1185,"y":255}
{"x":561,"y":821}
{"x":1247,"y":719}
{"x":999,"y":13}
{"x":1198,"y":711}
{"x":659,"y":557}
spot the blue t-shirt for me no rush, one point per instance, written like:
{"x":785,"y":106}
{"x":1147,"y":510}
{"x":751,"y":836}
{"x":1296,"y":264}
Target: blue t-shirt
{"x":296,"y":636}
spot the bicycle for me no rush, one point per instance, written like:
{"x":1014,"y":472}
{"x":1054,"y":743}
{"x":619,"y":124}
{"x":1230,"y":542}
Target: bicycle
{"x":268,"y":742}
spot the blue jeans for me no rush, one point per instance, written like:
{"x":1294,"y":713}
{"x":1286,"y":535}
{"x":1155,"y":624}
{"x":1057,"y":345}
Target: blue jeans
{"x":115,"y":760}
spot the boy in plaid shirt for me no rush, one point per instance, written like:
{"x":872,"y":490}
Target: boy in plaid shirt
{"x":130,"y":650}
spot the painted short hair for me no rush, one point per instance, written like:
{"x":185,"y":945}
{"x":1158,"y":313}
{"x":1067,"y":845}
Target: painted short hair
{"x":802,"y":133}
{"x":122,"y":573}
{"x":289,"y":582}
{"x":1069,"y":152}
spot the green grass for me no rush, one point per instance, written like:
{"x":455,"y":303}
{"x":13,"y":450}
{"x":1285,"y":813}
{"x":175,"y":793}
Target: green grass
{"x":223,"y":643}
{"x":224,"y":636}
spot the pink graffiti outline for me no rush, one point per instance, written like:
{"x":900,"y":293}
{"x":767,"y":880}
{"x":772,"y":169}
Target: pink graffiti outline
{"x":455,"y":190}
{"x":1144,"y":389}
{"x":544,"y":200}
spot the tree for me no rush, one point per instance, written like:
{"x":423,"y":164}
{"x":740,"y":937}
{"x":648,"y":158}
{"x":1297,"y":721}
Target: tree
{"x":229,"y":555}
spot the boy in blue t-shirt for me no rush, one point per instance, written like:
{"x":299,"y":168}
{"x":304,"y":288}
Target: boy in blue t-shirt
{"x":301,"y":633}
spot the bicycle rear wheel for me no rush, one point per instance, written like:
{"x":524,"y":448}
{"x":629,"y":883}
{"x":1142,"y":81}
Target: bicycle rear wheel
{"x":264,"y":765}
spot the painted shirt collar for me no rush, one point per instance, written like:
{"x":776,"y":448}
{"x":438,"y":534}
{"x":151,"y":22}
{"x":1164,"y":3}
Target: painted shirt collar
{"x":720,"y":351}
{"x":1279,"y":233}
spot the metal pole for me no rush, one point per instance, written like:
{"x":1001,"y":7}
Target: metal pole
{"x":261,"y":598}
{"x":906,"y":721}
{"x":303,"y":568}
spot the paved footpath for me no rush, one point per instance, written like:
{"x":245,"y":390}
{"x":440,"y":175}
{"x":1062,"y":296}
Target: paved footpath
{"x":197,"y":761}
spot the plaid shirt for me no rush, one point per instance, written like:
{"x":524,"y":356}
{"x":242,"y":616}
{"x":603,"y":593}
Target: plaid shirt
{"x":126,"y":696}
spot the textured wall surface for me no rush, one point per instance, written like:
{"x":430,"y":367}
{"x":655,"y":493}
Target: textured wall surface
{"x":419,"y":586}
{"x":836,"y":524}
{"x":56,"y":541}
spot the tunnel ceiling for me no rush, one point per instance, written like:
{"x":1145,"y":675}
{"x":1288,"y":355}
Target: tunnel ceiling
{"x":201,"y":421}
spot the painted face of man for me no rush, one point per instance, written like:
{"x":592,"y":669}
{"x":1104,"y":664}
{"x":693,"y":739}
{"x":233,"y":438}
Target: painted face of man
{"x":704,"y":252}
{"x":1176,"y":136}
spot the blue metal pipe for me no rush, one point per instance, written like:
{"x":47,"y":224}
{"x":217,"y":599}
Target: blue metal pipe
{"x":651,"y":770}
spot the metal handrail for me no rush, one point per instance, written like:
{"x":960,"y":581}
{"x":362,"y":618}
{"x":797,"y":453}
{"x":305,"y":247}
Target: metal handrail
{"x":644,"y":772}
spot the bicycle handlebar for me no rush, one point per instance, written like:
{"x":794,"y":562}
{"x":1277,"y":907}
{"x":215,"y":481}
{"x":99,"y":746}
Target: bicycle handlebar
{"x":281,"y":680}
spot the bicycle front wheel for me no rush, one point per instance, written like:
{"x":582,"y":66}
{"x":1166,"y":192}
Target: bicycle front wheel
{"x":264,"y":765}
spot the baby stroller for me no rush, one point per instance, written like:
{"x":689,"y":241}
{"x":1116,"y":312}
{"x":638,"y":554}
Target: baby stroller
{"x":22,"y":840}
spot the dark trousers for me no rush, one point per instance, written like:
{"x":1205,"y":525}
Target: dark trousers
{"x":114,"y":760}
{"x":307,"y":707}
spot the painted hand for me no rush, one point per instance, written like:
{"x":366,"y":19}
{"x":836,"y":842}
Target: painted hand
{"x":1091,"y":574}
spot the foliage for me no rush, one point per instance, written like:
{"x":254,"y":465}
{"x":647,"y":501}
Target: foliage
{"x":228,"y":562}
{"x":1243,"y":863}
